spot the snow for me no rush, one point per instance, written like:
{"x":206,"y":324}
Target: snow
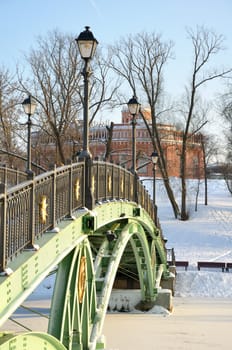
{"x":206,"y":236}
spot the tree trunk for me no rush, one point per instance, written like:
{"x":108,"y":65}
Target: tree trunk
{"x":60,"y":151}
{"x":184,"y":215}
{"x":171,"y":197}
{"x":197,"y":194}
{"x":205,"y":173}
{"x":154,"y":135}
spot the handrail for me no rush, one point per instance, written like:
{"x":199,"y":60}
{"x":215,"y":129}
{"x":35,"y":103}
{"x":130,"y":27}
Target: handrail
{"x":31,"y":208}
{"x":11,"y":177}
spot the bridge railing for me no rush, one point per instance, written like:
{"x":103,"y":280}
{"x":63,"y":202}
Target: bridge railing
{"x":36,"y":206}
{"x":111,"y":181}
{"x":11,"y":177}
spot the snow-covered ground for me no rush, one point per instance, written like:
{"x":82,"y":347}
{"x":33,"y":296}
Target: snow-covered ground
{"x":206,"y":236}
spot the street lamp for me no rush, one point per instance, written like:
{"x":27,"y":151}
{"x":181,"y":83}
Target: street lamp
{"x":29,"y":106}
{"x":154,"y":159}
{"x":87,"y":45}
{"x":133,"y":107}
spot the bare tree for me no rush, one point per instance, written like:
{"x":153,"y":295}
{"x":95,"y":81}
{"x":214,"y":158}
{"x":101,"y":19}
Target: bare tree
{"x":206,"y":44}
{"x":140,"y":61}
{"x":57,"y":84}
{"x":210,"y":151}
{"x":54,"y":81}
{"x":226,"y":112}
{"x":9,"y":123}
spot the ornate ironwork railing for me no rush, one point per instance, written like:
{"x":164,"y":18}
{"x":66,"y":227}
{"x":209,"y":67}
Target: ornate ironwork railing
{"x":11,"y":177}
{"x":29,"y":209}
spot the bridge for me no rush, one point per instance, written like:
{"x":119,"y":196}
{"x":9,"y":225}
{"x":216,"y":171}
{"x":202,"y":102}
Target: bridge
{"x":88,"y":222}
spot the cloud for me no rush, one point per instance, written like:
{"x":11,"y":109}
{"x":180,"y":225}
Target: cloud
{"x":96,"y":8}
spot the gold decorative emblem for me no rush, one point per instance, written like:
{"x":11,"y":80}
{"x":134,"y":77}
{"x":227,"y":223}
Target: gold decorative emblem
{"x":82,"y":279}
{"x":109,"y":183}
{"x":77,"y":189}
{"x":43,"y":209}
{"x":93,"y":184}
{"x":132,"y":190}
{"x":122,"y":186}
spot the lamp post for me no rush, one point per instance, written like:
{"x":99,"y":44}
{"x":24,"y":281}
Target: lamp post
{"x":87,"y":45}
{"x":154,"y":159}
{"x":29,"y":106}
{"x":134,"y":107}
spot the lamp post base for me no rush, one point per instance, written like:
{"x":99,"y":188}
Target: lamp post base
{"x":30,"y":174}
{"x":83,"y":155}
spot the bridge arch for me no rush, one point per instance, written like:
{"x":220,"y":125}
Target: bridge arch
{"x":32,"y":340}
{"x":74,"y":301}
{"x":107,"y":263}
{"x":86,"y":275}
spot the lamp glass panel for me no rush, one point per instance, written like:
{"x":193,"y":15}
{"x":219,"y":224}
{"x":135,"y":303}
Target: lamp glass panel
{"x":133,"y":108}
{"x":29,"y":106}
{"x":154,"y":158}
{"x":86,"y":48}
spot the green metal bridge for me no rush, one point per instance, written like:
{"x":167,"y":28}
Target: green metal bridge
{"x":87,"y":224}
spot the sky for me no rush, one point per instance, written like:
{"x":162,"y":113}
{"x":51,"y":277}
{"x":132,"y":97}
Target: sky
{"x":23,"y":21}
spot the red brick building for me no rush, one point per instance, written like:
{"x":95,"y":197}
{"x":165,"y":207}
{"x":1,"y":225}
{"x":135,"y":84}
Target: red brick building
{"x":44,"y":149}
{"x":171,"y":140}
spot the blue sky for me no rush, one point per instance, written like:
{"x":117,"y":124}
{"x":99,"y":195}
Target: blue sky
{"x":23,"y":20}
